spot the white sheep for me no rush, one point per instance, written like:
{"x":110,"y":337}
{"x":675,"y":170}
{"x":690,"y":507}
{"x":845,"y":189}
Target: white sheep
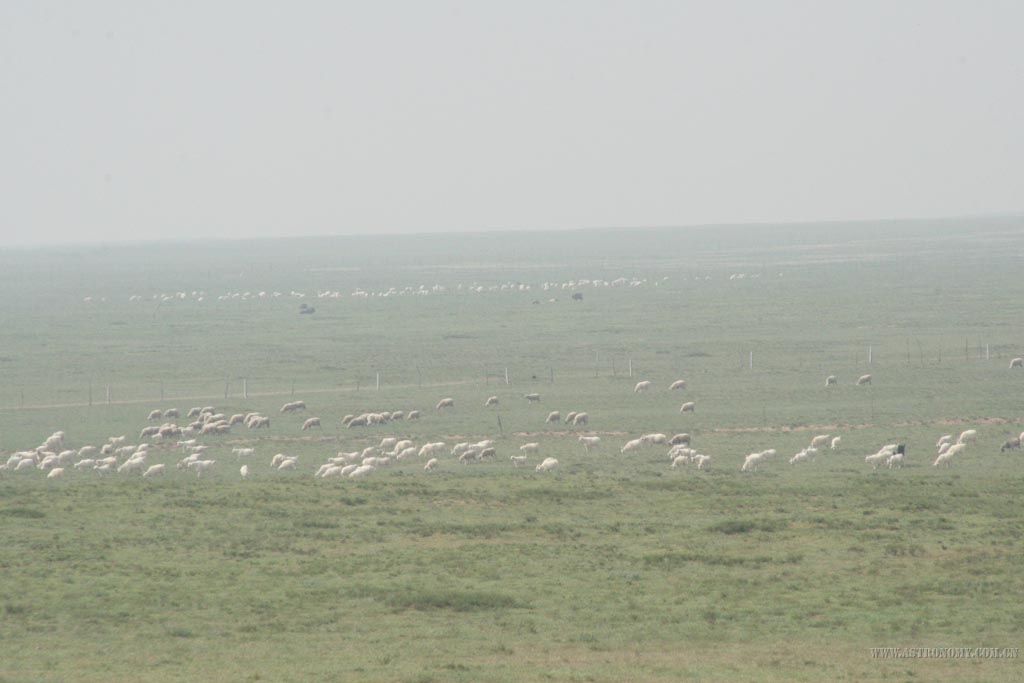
{"x":863,"y":379}
{"x":944,"y":459}
{"x":894,"y":460}
{"x":546,"y":466}
{"x":361,"y":471}
{"x":703,"y":461}
{"x":532,"y":447}
{"x":590,"y":442}
{"x":491,"y":401}
{"x":244,"y":471}
{"x":445,"y":403}
{"x":688,"y":407}
{"x":580,"y":419}
{"x":751,"y":462}
{"x":944,"y":439}
{"x":200,"y":466}
{"x":641,"y":387}
{"x":683,"y":438}
{"x":155,"y":470}
{"x":553,"y":417}
{"x":289,"y":464}
{"x":155,"y":415}
{"x":292,"y":406}
{"x":518,"y":460}
{"x":679,"y":384}
{"x":1017,"y":363}
{"x":831,"y":381}
{"x":967,"y":436}
{"x":310,"y":423}
{"x":802,"y":456}
{"x":631,"y":445}
{"x":680,"y":460}
{"x":835,"y":443}
{"x":819,"y":440}
{"x":431,"y":464}
{"x":651,"y":439}
{"x":876,"y":459}
{"x":413,"y":415}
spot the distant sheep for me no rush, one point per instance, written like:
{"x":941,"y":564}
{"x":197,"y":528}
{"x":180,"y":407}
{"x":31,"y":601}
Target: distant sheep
{"x":894,"y":460}
{"x":445,"y":403}
{"x":752,"y":461}
{"x":863,"y":379}
{"x":835,"y":443}
{"x":580,"y":419}
{"x":876,"y":459}
{"x":831,"y":381}
{"x":532,"y":447}
{"x":546,"y":466}
{"x":819,"y":440}
{"x":652,"y":439}
{"x":310,"y":423}
{"x":944,"y":459}
{"x":703,"y":462}
{"x":553,"y":417}
{"x":945,"y":439}
{"x":155,"y":470}
{"x":293,"y":406}
{"x":533,"y":398}
{"x":431,"y":464}
{"x":244,"y":452}
{"x":641,"y":387}
{"x":1017,"y":363}
{"x":967,"y":436}
{"x":688,"y":407}
{"x":491,"y":401}
{"x":1010,"y":445}
{"x":155,"y":415}
{"x":802,"y":456}
{"x":55,"y":472}
{"x":412,"y":415}
{"x":244,"y":471}
{"x":519,"y":460}
{"x":679,"y":384}
{"x":590,"y":442}
{"x":680,"y":460}
{"x":631,"y":445}
{"x":678,"y":439}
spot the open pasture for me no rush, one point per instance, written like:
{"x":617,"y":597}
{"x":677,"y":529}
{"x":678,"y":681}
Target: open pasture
{"x":612,"y":566}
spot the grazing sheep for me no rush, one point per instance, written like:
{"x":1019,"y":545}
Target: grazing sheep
{"x":967,"y":436}
{"x":703,"y":462}
{"x":1010,"y":445}
{"x":55,"y":472}
{"x":413,"y":415}
{"x":259,"y":421}
{"x":172,"y":412}
{"x":570,"y":417}
{"x":651,"y":439}
{"x":679,"y":384}
{"x":581,"y":419}
{"x":631,"y":445}
{"x":533,"y":398}
{"x":155,"y":470}
{"x":944,"y":439}
{"x":894,"y":460}
{"x":863,"y":379}
{"x":310,"y":423}
{"x":876,"y":459}
{"x":835,"y":443}
{"x":491,"y":401}
{"x":831,"y":381}
{"x":244,"y":471}
{"x":802,"y":456}
{"x":751,"y":462}
{"x":431,"y":449}
{"x":431,"y":464}
{"x":553,"y":417}
{"x":590,"y":442}
{"x":1017,"y":363}
{"x":819,"y":440}
{"x":546,"y":466}
{"x":200,"y":466}
{"x":678,"y":439}
{"x":518,"y":460}
{"x":944,"y":459}
{"x":680,"y":460}
{"x":641,"y":387}
{"x":361,"y":471}
{"x":688,"y":407}
{"x":293,"y":406}
{"x":155,"y":414}
{"x":445,"y":403}
{"x":532,"y":447}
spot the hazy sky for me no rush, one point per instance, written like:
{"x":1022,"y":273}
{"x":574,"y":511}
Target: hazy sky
{"x":144,"y":120}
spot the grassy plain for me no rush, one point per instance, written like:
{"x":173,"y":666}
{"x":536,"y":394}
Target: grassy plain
{"x":611,"y":568}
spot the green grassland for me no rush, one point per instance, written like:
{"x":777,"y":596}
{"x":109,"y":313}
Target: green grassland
{"x":612,"y":567}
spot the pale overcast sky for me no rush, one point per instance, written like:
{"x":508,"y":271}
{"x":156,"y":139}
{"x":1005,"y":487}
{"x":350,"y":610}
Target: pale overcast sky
{"x":144,"y":120}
